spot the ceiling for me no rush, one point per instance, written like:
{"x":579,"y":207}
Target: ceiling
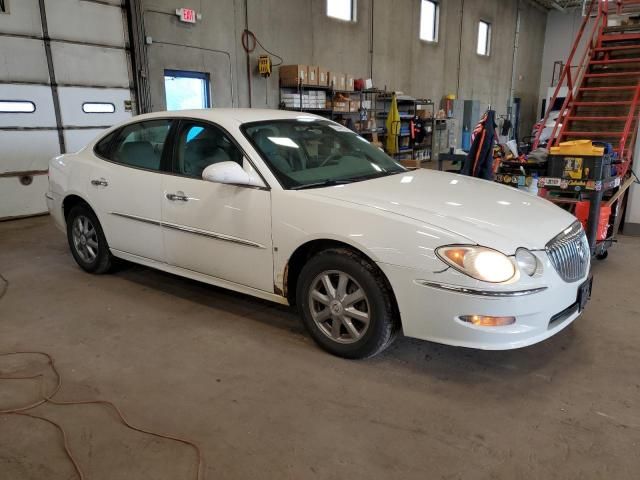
{"x":557,"y":4}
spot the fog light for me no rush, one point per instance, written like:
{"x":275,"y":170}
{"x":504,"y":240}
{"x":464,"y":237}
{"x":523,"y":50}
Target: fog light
{"x":485,"y":321}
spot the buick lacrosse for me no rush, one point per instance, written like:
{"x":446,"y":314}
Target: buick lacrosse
{"x":297,"y":209}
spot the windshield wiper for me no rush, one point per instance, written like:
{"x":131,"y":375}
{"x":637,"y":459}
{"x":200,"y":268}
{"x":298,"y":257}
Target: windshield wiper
{"x":374,"y":175}
{"x":325,"y":183}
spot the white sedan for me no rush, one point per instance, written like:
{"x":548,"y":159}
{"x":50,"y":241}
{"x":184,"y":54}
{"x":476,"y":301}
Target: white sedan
{"x":299,"y":210}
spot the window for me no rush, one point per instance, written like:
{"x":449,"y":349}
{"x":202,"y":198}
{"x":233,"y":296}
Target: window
{"x":17,"y":106}
{"x":98,"y":107}
{"x":309,"y":153}
{"x":484,"y":38}
{"x":200,"y":145}
{"x":342,"y":9}
{"x":186,"y":90}
{"x":137,"y":145}
{"x":4,"y":6}
{"x":429,"y":12}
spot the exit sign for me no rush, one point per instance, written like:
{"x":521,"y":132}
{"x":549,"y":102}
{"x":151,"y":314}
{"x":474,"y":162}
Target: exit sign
{"x":187,"y":15}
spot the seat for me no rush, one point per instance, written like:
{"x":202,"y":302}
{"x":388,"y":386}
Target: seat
{"x":271,"y":150}
{"x":197,"y":156}
{"x":139,"y":154}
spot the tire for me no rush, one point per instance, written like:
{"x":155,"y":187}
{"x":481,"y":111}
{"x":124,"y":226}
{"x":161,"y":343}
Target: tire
{"x":602,"y":255}
{"x":334,"y":314}
{"x":87,"y":241}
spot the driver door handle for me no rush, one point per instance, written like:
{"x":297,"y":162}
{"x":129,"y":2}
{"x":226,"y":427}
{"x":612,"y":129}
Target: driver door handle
{"x":177,"y":197}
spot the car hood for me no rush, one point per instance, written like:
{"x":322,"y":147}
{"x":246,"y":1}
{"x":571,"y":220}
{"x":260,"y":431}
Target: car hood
{"x":481,"y":211}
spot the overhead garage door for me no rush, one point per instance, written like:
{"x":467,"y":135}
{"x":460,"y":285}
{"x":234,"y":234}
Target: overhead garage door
{"x":65,"y":75}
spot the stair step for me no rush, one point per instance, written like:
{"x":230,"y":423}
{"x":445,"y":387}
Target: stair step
{"x":622,"y":28}
{"x":607,"y":88}
{"x":615,"y":60}
{"x":595,"y":119}
{"x":620,"y":37}
{"x":601,"y":104}
{"x":613,"y":74}
{"x":592,"y":134}
{"x":617,"y":48}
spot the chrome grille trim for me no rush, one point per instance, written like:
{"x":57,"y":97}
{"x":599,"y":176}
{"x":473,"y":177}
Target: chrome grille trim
{"x":569,"y":253}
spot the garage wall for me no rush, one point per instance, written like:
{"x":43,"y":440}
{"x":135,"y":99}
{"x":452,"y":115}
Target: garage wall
{"x":300,"y":32}
{"x":562,"y":29}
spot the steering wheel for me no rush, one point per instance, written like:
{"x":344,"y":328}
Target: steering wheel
{"x":333,"y":156}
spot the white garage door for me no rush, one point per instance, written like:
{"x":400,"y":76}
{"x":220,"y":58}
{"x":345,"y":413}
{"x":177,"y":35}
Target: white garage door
{"x":65,"y":75}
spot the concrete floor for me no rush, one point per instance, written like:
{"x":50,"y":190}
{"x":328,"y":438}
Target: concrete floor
{"x":240,"y":377}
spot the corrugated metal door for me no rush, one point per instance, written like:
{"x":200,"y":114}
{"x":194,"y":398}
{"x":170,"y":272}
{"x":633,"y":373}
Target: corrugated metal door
{"x":65,"y":65}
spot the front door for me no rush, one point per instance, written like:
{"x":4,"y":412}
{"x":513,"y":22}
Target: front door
{"x":126,"y":187}
{"x":220,"y":230}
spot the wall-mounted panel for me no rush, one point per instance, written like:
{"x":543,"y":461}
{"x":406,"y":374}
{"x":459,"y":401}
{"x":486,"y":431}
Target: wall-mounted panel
{"x":43,"y":116}
{"x":23,"y":18}
{"x":72,"y":100}
{"x":90,"y":66}
{"x":78,"y":139}
{"x":23,"y":60}
{"x":24,"y":151}
{"x":86,"y":22}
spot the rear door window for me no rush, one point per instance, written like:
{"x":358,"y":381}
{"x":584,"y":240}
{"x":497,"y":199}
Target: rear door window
{"x":138,"y":145}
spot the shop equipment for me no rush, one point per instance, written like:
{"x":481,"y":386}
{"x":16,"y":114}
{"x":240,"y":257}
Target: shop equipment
{"x":603,"y":85}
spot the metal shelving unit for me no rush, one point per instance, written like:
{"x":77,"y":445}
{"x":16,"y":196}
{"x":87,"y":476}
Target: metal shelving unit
{"x":408,"y":106}
{"x":363,"y":114}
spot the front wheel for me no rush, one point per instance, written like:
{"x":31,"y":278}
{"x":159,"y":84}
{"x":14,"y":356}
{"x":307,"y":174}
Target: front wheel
{"x":87,"y":241}
{"x":346,"y":304}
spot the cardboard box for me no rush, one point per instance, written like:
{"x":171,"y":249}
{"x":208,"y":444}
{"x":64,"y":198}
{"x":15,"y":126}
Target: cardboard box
{"x":340,"y":106}
{"x":312,"y":78}
{"x":337,"y":80}
{"x":323,"y":77}
{"x":354,"y":105}
{"x":349,"y":82}
{"x":292,"y":75}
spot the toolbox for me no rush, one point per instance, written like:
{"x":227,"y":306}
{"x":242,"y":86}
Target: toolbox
{"x":579,"y":160}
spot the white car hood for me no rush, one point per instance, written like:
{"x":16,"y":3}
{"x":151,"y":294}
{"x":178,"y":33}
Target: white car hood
{"x":481,"y":211}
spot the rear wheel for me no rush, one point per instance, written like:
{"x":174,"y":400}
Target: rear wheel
{"x":346,"y":305}
{"x":87,"y":241}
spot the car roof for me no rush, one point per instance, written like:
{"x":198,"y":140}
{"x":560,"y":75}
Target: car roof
{"x":225,"y":115}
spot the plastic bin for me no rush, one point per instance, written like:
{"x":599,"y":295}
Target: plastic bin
{"x":579,"y":160}
{"x":582,"y":213}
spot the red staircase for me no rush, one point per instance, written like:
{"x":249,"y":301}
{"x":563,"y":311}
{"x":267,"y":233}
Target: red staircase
{"x":603,"y":97}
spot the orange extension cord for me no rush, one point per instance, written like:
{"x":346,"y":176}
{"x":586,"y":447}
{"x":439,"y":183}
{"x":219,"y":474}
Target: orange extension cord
{"x":47,"y":397}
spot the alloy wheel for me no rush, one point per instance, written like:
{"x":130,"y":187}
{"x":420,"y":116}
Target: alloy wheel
{"x":85,"y":239}
{"x":339,"y":306}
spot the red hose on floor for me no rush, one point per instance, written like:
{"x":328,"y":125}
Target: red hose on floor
{"x":47,"y":397}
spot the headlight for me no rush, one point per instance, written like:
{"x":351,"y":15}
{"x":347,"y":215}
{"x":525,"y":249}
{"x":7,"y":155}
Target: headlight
{"x":527,"y":261}
{"x":481,"y":263}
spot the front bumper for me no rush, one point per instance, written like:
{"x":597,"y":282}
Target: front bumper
{"x":430,"y":312}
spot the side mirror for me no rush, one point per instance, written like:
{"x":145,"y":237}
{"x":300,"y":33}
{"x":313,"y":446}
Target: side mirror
{"x":230,"y":173}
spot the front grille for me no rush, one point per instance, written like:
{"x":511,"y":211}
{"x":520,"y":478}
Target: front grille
{"x":569,"y":253}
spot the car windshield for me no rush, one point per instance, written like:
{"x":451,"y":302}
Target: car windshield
{"x":309,"y":153}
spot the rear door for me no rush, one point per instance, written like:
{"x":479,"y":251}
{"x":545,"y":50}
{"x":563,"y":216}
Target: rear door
{"x":65,"y":75}
{"x":125,"y":187}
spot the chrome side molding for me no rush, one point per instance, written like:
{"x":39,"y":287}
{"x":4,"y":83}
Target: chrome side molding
{"x":478,"y":292}
{"x":194,"y":231}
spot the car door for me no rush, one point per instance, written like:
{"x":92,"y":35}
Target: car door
{"x":126,"y":187}
{"x":216,"y":229}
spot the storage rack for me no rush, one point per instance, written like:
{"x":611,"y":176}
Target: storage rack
{"x":362,"y":113}
{"x":408,"y":108}
{"x":567,"y":192}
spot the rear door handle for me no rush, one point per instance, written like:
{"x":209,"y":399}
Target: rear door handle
{"x":177,"y":197}
{"x":99,"y":182}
